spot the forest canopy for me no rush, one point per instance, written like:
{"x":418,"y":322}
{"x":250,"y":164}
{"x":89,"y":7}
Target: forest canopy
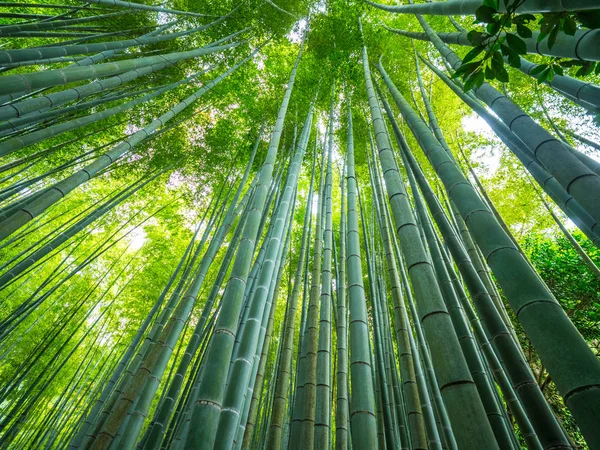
{"x":300,"y":224}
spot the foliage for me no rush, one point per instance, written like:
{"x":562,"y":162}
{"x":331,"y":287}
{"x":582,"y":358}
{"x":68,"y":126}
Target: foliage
{"x":503,"y":40}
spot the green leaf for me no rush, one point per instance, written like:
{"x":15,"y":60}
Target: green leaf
{"x":543,"y":75}
{"x":513,"y":57}
{"x":570,"y":26}
{"x":476,"y":37}
{"x":485,"y":14}
{"x":479,"y":78}
{"x":527,"y":17}
{"x":493,"y":28}
{"x":558,"y":69}
{"x":552,"y":37}
{"x":500,"y":73}
{"x":497,"y":60}
{"x":473,"y":53}
{"x":475,"y":79}
{"x":523,"y":31}
{"x":538,"y":69}
{"x":516,"y":43}
{"x":589,"y":19}
{"x":466,"y":69}
{"x":469,"y":84}
{"x":585,"y":70}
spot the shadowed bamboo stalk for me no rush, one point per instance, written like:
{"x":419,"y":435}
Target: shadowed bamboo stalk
{"x":323,"y":379}
{"x":416,"y":425}
{"x":342,"y":407}
{"x":467,"y":414}
{"x":362,"y":401}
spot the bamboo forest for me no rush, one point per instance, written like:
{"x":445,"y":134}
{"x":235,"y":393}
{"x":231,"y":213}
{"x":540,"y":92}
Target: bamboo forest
{"x":300,"y":224}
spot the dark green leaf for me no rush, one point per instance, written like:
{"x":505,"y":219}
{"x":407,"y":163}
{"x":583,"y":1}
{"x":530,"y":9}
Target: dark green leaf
{"x":523,"y":31}
{"x":501,"y":73}
{"x":570,"y":26}
{"x":589,"y":19}
{"x":543,"y":75}
{"x":473,"y":53}
{"x":558,"y":69}
{"x":479,"y":78}
{"x":466,"y":69}
{"x":493,"y":28}
{"x":552,"y":37}
{"x":485,"y":14}
{"x":476,"y":37}
{"x":516,"y":43}
{"x":538,"y":69}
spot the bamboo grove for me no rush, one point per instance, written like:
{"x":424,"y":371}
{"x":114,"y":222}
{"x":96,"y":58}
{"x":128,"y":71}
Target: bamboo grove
{"x":267,"y":225}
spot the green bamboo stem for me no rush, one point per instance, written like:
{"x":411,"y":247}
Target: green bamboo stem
{"x":460,"y":324}
{"x":583,"y":139}
{"x":467,"y":415}
{"x":303,"y":423}
{"x":141,"y":7}
{"x":241,"y":368}
{"x":342,"y":407}
{"x":33,"y":54}
{"x":362,"y":401}
{"x":259,"y":371}
{"x":416,"y":424}
{"x":13,"y":144}
{"x":580,"y":46}
{"x":390,"y":436}
{"x":323,"y":374}
{"x":274,"y":441}
{"x":498,"y":371}
{"x":29,"y":82}
{"x":27,"y":105}
{"x":7,"y":30}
